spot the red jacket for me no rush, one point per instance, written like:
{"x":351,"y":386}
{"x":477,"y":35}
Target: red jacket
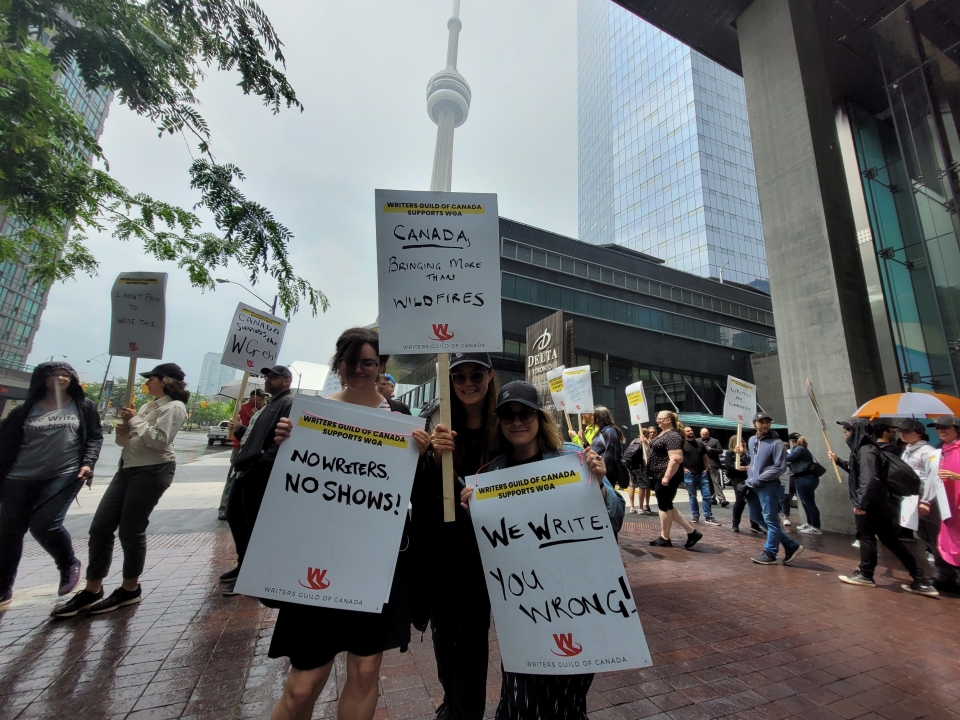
{"x":246,"y":412}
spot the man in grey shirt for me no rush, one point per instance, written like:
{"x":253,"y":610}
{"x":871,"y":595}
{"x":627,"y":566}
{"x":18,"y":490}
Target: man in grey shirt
{"x":714,"y":451}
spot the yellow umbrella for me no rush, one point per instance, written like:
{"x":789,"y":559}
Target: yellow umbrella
{"x":909,"y":404}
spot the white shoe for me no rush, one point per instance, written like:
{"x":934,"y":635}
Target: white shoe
{"x":632,"y":510}
{"x":810,"y":530}
{"x":786,"y":522}
{"x":803,"y":527}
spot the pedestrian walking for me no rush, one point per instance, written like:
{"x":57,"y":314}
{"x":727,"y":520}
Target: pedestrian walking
{"x":608,"y":444}
{"x":635,"y":465}
{"x":738,"y":478}
{"x":247,"y":410}
{"x":525,"y":435}
{"x":714,"y":451}
{"x":665,"y":467}
{"x":696,"y":477}
{"x":948,"y":471}
{"x":147,"y":466}
{"x":875,"y":511}
{"x":767,"y":462}
{"x":48,"y":449}
{"x":804,"y":469}
{"x":789,"y":491}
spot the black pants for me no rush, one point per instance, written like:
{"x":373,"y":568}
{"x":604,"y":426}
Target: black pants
{"x":462,"y":649}
{"x":243,"y":506}
{"x":543,"y":697}
{"x":929,"y":532}
{"x":126,"y":506}
{"x":740,"y":491}
{"x":880,"y":523}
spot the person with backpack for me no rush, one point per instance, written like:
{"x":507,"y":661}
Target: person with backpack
{"x":806,"y":480}
{"x":607,"y":443}
{"x":876,"y":480}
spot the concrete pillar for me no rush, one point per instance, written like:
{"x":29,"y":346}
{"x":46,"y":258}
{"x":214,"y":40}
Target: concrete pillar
{"x":824,"y":326}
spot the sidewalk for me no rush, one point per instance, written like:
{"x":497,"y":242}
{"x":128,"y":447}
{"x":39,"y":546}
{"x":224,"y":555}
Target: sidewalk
{"x":729,"y":639}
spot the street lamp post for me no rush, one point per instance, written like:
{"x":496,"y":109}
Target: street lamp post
{"x":273,"y":307}
{"x":105,"y":374}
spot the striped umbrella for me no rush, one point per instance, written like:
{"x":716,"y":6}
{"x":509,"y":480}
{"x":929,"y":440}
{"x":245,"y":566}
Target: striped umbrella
{"x":909,"y":404}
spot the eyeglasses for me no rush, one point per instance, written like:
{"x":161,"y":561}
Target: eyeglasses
{"x":364,"y":364}
{"x":507,"y":416}
{"x":474,"y":378}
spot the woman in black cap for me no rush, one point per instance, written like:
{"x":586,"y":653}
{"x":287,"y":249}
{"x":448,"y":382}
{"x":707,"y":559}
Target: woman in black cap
{"x":147,"y":465}
{"x":48,"y":448}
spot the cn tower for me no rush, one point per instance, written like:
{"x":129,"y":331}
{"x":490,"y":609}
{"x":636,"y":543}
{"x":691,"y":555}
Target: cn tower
{"x":448,"y":102}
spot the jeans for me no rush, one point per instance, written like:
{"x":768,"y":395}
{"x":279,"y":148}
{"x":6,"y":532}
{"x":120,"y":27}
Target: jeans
{"x":806,"y":487}
{"x":770,"y":496}
{"x":40,"y":507}
{"x":881,"y":522}
{"x":701,"y":481}
{"x":125,"y":510}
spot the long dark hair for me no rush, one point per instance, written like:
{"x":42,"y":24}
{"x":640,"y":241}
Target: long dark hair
{"x":38,"y":385}
{"x":176,"y":389}
{"x":602,"y":417}
{"x":350,"y":344}
{"x":490,"y":423}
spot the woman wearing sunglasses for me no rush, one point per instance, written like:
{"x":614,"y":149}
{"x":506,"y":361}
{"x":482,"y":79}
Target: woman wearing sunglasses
{"x":312,"y":637}
{"x":526,"y":434}
{"x":452,"y":590}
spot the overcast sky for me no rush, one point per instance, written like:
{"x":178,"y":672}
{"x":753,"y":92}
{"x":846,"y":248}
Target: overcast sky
{"x":360,"y":69}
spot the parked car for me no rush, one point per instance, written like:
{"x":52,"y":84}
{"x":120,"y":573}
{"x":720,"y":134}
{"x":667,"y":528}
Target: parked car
{"x":219,"y":433}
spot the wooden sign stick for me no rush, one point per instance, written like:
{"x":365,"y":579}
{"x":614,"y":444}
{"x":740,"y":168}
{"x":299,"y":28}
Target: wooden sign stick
{"x":836,"y":470}
{"x":446,"y":417}
{"x":236,"y":407}
{"x":566,"y":414}
{"x":131,"y":379}
{"x":739,"y":440}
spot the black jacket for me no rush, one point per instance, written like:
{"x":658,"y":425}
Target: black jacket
{"x":260,"y":450}
{"x":865,"y":470}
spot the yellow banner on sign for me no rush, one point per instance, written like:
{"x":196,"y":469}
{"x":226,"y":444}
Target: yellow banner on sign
{"x":137,"y":281}
{"x":349,"y":432}
{"x":556,"y":384}
{"x":635,"y":398}
{"x":264,"y":318}
{"x":528,"y":485}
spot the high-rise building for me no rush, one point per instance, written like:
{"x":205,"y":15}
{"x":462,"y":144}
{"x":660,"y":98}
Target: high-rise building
{"x":665,"y":160}
{"x":213,"y":375}
{"x":22,"y":301}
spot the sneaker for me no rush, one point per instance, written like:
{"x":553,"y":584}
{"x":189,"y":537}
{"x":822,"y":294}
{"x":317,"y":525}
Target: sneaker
{"x":444,"y":712}
{"x":724,"y":503}
{"x":802,"y":527}
{"x":230,"y":590}
{"x":764,"y":559}
{"x":754,"y":528}
{"x":921,"y":587}
{"x":634,"y":511}
{"x":118,"y":598}
{"x":69,"y":579}
{"x":786,"y":521}
{"x":791,"y":556}
{"x":857,"y":579}
{"x":230,"y":575}
{"x":661,"y":542}
{"x":811,"y":530}
{"x":6,"y":599}
{"x":78,"y":603}
{"x":695,"y":520}
{"x":736,"y":528}
{"x":221,"y":516}
{"x":692,"y":539}
{"x":712,"y":521}
{"x":856,"y":543}
{"x":647,"y":511}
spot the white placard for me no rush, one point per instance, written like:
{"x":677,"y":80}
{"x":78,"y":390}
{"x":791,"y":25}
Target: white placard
{"x":555,"y":382}
{"x":740,"y":401}
{"x":637,"y":402}
{"x":253,"y":340}
{"x":943,"y":505}
{"x":578,"y":390}
{"x":330,"y":525}
{"x":139,"y":314}
{"x":438,"y":268}
{"x":560,"y":596}
{"x":910,"y":512}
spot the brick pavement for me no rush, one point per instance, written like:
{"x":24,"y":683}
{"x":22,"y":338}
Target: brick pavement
{"x":729,"y":639}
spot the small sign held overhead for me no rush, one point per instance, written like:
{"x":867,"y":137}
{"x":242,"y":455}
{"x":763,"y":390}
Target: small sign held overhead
{"x":253,"y":340}
{"x":137,"y":325}
{"x":740,"y":401}
{"x":578,"y":390}
{"x":637,"y":402}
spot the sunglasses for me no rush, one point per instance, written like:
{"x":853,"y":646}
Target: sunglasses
{"x":474,"y":378}
{"x":507,"y":416}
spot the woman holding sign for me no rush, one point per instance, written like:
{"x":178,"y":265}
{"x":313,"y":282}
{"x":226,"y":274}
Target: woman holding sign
{"x":666,"y":473}
{"x":312,"y":637}
{"x":526,"y":434}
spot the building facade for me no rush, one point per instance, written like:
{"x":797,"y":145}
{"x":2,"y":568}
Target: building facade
{"x":665,"y":159}
{"x":213,"y":375}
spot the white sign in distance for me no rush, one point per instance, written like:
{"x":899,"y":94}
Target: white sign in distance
{"x":740,"y":401}
{"x":559,"y":593}
{"x":139,"y":314}
{"x":578,"y":390}
{"x":253,"y":340}
{"x":438,"y":270}
{"x":555,"y":382}
{"x":637,"y":402}
{"x":329,"y":529}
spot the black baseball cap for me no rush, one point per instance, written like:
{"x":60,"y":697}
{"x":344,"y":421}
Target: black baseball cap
{"x":845,"y":423}
{"x":520,"y":392}
{"x":911,"y":425}
{"x":794,"y":436}
{"x":170,"y":370}
{"x":762,"y":416}
{"x":478,"y":358}
{"x":281,"y":370}
{"x":945,"y":421}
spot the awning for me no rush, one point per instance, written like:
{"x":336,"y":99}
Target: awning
{"x":717,"y":422}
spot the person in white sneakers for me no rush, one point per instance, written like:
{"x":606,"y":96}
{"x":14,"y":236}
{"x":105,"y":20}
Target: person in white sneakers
{"x":803,"y":465}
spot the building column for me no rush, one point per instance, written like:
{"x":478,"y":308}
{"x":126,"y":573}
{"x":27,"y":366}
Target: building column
{"x":824,"y":324}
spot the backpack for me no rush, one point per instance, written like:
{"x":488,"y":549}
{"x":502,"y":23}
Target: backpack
{"x":900,"y":478}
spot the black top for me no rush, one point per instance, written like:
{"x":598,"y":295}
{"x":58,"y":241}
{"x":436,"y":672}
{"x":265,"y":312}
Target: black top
{"x":513,"y":462}
{"x":693,"y":452}
{"x":714,"y":450}
{"x":260,"y":449}
{"x":472,"y":441}
{"x":658,"y":457}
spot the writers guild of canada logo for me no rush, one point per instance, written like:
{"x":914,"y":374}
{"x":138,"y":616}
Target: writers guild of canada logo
{"x":541,"y":343}
{"x":441,"y":332}
{"x":133,"y":346}
{"x":316,"y":579}
{"x":249,"y":363}
{"x":568,"y":648}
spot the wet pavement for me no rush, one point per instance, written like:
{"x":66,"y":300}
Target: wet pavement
{"x":729,"y":639}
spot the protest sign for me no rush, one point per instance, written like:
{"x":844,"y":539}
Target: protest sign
{"x":560,"y":596}
{"x":740,"y":401}
{"x":138,"y":315}
{"x":637,"y":402}
{"x":329,"y":529}
{"x":254,"y":339}
{"x":555,"y":383}
{"x":438,"y":261}
{"x":578,"y":390}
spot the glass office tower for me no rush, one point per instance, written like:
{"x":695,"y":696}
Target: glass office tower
{"x":665,"y":160}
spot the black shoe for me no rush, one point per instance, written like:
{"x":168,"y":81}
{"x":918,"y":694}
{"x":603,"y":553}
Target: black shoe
{"x":221,"y":516}
{"x":230,"y":575}
{"x":736,"y":528}
{"x":757,"y":529}
{"x":661,"y":542}
{"x":444,"y":712}
{"x":712,"y":521}
{"x":857,"y":578}
{"x":230,"y":590}
{"x":78,"y":603}
{"x":692,"y":539}
{"x":764,"y":559}
{"x":118,"y":598}
{"x":791,"y":556}
{"x":724,"y":503}
{"x":695,"y":520}
{"x":921,"y":587}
